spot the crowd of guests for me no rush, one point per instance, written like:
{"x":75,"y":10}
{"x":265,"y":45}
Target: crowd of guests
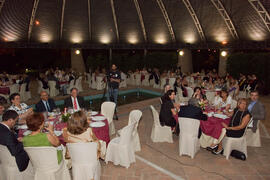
{"x":240,"y":116}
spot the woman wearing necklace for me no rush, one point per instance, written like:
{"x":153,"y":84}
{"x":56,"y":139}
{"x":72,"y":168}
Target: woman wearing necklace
{"x":239,"y":121}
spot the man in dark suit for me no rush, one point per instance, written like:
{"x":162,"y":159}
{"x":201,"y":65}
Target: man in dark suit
{"x":46,"y":104}
{"x":192,"y":110}
{"x":74,"y":101}
{"x":256,"y":108}
{"x":9,"y":139}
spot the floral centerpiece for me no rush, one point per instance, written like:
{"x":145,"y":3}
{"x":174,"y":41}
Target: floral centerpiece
{"x":65,"y":116}
{"x":202,"y":104}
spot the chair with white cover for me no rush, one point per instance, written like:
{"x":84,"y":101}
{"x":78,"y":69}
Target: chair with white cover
{"x":171,"y":82}
{"x":137,"y":79}
{"x":53,"y":90}
{"x":254,"y":139}
{"x":23,"y":94}
{"x":100,"y":83}
{"x":107,"y":109}
{"x":160,"y":133}
{"x":94,"y":82}
{"x":134,"y":117}
{"x":162,"y":82}
{"x":132,"y":79}
{"x":9,"y":169}
{"x":188,"y":138}
{"x":120,"y":150}
{"x":45,"y":164}
{"x":145,"y":81}
{"x":70,"y":86}
{"x":40,"y":87}
{"x":123,"y":82}
{"x":88,"y":79}
{"x":231,"y":143}
{"x":233,"y":104}
{"x":85,"y":164}
{"x":210,"y":95}
{"x":206,"y":141}
{"x":14,"y":88}
{"x":189,"y":92}
{"x":78,"y":84}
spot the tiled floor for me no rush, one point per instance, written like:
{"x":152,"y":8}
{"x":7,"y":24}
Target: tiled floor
{"x":165,"y":155}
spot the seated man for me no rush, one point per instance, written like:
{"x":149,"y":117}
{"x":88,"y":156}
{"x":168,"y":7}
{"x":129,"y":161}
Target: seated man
{"x":256,"y":108}
{"x":192,"y":110}
{"x":9,"y":139}
{"x":74,"y":101}
{"x":46,"y":104}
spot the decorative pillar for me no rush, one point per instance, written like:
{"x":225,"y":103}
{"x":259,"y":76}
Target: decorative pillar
{"x":185,"y":61}
{"x":77,"y":63}
{"x":222,"y":67}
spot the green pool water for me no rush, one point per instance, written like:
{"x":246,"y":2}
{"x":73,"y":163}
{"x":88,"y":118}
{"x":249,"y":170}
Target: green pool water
{"x":125,"y":97}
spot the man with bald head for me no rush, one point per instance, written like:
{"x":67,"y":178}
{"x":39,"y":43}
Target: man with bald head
{"x":46,"y":104}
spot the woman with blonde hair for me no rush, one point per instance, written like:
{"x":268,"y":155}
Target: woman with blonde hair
{"x":78,"y":130}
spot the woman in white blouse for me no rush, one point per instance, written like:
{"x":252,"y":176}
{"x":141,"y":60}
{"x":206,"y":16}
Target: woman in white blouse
{"x":21,"y":108}
{"x":223,"y":101}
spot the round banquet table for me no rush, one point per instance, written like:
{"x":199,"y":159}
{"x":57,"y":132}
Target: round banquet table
{"x":4,"y":90}
{"x":102,"y":133}
{"x":213,"y":126}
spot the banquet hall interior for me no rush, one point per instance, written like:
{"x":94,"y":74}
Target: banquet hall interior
{"x":134,"y":89}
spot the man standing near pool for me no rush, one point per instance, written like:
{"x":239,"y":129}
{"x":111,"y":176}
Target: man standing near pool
{"x":114,"y":78}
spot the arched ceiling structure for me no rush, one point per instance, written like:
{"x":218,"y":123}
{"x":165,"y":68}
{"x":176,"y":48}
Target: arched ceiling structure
{"x":134,"y":23}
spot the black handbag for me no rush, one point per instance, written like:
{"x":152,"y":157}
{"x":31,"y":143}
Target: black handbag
{"x":238,"y":155}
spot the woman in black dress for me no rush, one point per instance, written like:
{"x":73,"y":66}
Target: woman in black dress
{"x":168,"y":114}
{"x":239,"y":121}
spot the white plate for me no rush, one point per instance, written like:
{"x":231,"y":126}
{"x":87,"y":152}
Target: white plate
{"x":97,"y":124}
{"x":222,"y":116}
{"x":22,"y":126}
{"x":94,"y":113}
{"x":27,"y":133}
{"x":58,"y":133}
{"x":98,"y":118}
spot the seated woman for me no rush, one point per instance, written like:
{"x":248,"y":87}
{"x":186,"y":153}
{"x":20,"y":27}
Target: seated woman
{"x":223,"y":101}
{"x":199,"y":95}
{"x":21,"y":108}
{"x":35,"y":123}
{"x":78,"y":130}
{"x":239,"y":121}
{"x":168,"y":115}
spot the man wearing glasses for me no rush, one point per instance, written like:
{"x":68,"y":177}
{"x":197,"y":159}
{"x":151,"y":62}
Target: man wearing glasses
{"x":46,"y":104}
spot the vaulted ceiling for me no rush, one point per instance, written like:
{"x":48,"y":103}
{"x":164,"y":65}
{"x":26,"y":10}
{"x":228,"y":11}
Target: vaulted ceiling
{"x":134,"y":21}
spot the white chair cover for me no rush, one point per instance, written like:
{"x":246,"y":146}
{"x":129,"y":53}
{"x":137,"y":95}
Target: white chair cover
{"x":100,"y":84}
{"x":123,"y":82}
{"x":206,"y":141}
{"x":9,"y":169}
{"x":40,"y":88}
{"x":210,"y":95}
{"x":230,"y":143}
{"x":189,"y":92}
{"x":160,"y":133}
{"x":137,"y":79}
{"x":44,"y":160}
{"x":23,"y":92}
{"x":120,"y":150}
{"x":134,"y":117}
{"x":151,"y":82}
{"x":78,"y":84}
{"x":162,"y":82}
{"x":94,"y":83}
{"x":85,"y":164}
{"x":171,"y":82}
{"x":88,"y":79}
{"x":14,"y":88}
{"x":145,"y":82}
{"x":234,"y":104}
{"x":254,"y":139}
{"x":107,"y":109}
{"x":188,"y":139}
{"x":53,"y":90}
{"x":132,"y":79}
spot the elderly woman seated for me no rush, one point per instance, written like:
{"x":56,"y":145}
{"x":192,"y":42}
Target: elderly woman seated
{"x":37,"y":138}
{"x":78,"y":130}
{"x":239,"y":121}
{"x":21,"y":108}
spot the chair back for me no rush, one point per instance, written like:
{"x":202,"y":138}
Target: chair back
{"x":189,"y":126}
{"x":107,"y":109}
{"x":40,"y":85}
{"x":44,"y":159}
{"x":83,"y":153}
{"x":189,"y":91}
{"x":23,"y":88}
{"x":14,"y":88}
{"x":126,"y":134}
{"x":155,"y":115}
{"x":234,"y":104}
{"x":6,"y":159}
{"x":134,"y":116}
